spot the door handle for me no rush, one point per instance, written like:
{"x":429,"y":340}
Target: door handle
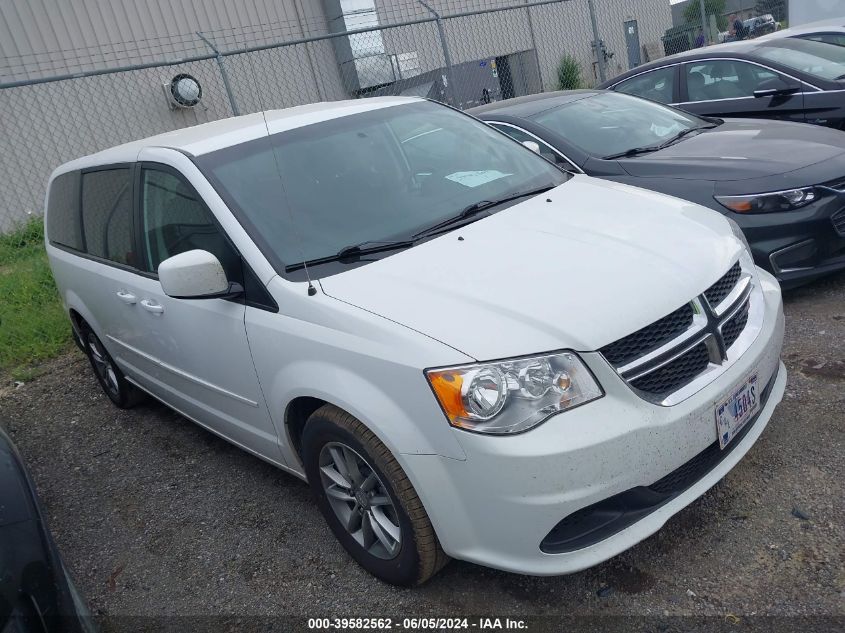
{"x":151,"y":306}
{"x":126,"y":297}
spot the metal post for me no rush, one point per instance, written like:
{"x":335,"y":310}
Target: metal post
{"x":447,"y":58}
{"x":704,"y":29}
{"x":317,"y":82}
{"x":534,"y":45}
{"x":598,"y":47}
{"x":223,"y":74}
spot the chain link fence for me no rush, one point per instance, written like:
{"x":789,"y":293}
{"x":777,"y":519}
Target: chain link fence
{"x":59,"y":105}
{"x":700,"y":23}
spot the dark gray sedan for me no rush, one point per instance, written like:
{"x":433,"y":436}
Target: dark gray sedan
{"x":37,"y":594}
{"x":773,"y":77}
{"x":783,"y":183}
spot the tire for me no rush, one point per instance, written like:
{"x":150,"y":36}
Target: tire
{"x":333,"y":437}
{"x":119,"y":390}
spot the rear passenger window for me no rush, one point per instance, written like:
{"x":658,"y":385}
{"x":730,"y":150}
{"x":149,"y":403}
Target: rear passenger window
{"x":107,"y":215}
{"x":174,"y":221}
{"x":657,"y":85}
{"x":63,"y":223}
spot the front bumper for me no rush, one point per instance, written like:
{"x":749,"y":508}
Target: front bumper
{"x":798,"y":246}
{"x":496,"y":507}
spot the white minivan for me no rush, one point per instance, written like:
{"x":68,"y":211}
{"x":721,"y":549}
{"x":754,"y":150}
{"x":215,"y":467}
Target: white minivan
{"x":465,"y":351}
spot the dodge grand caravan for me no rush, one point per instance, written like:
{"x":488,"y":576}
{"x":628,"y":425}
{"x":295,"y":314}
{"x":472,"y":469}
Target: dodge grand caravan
{"x":465,"y":351}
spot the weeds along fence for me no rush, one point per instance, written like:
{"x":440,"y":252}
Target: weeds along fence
{"x":57,"y":105}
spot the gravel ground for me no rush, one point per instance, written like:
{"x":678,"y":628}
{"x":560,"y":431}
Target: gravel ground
{"x":157,"y":517}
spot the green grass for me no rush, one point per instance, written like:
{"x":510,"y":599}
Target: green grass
{"x":33,"y":324}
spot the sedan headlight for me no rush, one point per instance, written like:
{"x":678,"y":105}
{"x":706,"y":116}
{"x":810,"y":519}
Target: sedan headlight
{"x":512,"y":396}
{"x":769,"y":202}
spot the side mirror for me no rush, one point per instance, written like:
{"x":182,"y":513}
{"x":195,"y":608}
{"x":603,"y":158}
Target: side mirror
{"x":775,"y":87}
{"x":534,"y":146}
{"x":195,"y":274}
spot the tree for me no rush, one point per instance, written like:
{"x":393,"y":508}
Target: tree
{"x":568,"y":74}
{"x":692,"y":12}
{"x":776,"y":7}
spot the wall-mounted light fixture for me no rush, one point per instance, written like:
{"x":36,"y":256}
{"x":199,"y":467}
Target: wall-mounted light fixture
{"x":183,"y":91}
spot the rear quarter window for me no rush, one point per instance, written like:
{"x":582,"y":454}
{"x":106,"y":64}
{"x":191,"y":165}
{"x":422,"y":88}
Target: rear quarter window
{"x":64,"y":226}
{"x":657,"y":85}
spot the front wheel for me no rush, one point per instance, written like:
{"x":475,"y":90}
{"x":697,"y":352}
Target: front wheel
{"x":367,"y":499}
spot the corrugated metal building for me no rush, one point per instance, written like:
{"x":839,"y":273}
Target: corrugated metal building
{"x":40,"y":38}
{"x":494,"y":52}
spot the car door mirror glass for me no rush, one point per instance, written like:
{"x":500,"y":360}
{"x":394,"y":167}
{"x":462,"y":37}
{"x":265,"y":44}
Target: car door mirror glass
{"x":195,"y":274}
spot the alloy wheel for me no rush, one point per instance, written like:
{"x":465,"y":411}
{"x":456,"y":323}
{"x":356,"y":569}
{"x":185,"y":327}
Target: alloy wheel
{"x":360,"y":500}
{"x":103,"y":364}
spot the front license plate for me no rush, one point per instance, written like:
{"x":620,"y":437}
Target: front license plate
{"x":737,"y":409}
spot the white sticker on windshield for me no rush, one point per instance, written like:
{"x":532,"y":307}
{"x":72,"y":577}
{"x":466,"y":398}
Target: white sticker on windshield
{"x":660,"y":130}
{"x":476,"y":178}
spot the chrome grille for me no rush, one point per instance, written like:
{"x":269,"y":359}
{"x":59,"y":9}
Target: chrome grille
{"x":664,"y":361}
{"x":678,"y":372}
{"x":734,"y":326}
{"x":718,"y":291}
{"x":650,"y":337}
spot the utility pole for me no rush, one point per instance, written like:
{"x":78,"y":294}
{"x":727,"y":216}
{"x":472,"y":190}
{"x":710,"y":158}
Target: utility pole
{"x":534,"y":45}
{"x":598,"y":45}
{"x":447,"y":58}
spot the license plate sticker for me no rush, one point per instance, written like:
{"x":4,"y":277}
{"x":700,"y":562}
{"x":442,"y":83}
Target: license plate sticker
{"x":734,"y":412}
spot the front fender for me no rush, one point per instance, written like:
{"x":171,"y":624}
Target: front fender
{"x":362,"y":363}
{"x":414,"y":426}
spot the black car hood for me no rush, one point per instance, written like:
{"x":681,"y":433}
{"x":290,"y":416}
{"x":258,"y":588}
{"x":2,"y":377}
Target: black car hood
{"x":741,"y":149}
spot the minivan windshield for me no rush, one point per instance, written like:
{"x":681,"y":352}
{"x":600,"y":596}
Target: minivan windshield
{"x":376,"y":177}
{"x":607,"y":124}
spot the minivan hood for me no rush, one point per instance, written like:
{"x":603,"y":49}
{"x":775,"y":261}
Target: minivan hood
{"x":741,"y":149}
{"x":578,"y":267}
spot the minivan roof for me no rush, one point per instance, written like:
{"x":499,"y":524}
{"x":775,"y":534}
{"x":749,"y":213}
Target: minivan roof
{"x":208,"y":137}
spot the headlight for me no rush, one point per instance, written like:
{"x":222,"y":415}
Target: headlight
{"x":515,"y":395}
{"x":768,"y":202}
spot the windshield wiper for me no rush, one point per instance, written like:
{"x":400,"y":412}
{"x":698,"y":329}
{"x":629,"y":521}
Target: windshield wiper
{"x":682,"y":134}
{"x":634,"y":151}
{"x":476,"y":208}
{"x":655,"y":148}
{"x":350,"y":254}
{"x":353,"y":253}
